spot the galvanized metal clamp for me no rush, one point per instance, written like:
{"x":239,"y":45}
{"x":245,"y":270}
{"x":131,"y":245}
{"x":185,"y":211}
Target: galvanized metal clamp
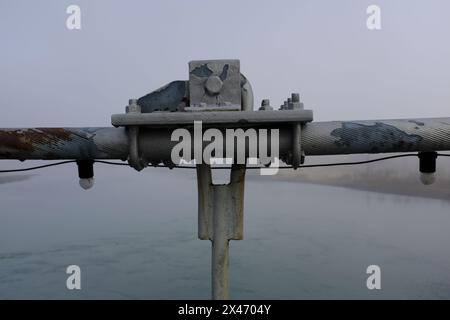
{"x":214,"y":86}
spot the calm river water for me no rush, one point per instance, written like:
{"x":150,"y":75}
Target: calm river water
{"x":134,"y":236}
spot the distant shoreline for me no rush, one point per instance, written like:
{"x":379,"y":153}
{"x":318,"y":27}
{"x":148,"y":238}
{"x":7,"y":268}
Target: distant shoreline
{"x":408,"y":186}
{"x":388,"y":189}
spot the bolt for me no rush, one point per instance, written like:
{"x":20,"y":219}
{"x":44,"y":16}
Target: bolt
{"x":296,"y":104}
{"x":265,"y":105}
{"x":289,"y":104}
{"x":133,"y":107}
{"x":213,"y":85}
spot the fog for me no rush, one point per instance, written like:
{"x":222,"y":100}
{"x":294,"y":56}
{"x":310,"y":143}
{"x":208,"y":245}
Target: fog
{"x":134,"y":234}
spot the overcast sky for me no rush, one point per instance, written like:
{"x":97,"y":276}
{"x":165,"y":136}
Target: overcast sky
{"x":52,"y":76}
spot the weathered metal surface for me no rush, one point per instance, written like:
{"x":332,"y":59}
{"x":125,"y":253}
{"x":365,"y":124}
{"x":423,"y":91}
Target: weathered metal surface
{"x":215,"y":83}
{"x":376,"y":136}
{"x":332,"y":138}
{"x":246,"y":94}
{"x":63,"y":143}
{"x":172,"y":97}
{"x":206,"y":202}
{"x":318,"y":138}
{"x":220,"y":219}
{"x":230,"y":118}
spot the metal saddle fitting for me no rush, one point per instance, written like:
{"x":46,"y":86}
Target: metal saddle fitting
{"x":218,"y":95}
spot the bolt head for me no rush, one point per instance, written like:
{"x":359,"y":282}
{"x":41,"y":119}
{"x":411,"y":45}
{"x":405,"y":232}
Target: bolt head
{"x":133,"y":106}
{"x":213,"y":85}
{"x":265,"y":105}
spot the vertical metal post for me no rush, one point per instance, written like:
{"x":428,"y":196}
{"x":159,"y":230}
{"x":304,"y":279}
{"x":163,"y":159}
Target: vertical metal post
{"x":220,"y":244}
{"x":220,"y":219}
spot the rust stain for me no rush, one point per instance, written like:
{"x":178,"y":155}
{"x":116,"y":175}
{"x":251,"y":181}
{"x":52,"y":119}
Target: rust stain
{"x":28,"y":140}
{"x":58,"y":133}
{"x":13,"y":140}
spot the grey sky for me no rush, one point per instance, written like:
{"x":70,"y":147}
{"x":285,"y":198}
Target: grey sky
{"x":50,"y":76}
{"x":134,"y":231}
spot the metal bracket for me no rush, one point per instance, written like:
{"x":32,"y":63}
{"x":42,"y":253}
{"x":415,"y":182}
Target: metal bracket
{"x":212,"y":118}
{"x":215,"y":84}
{"x":220,"y":219}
